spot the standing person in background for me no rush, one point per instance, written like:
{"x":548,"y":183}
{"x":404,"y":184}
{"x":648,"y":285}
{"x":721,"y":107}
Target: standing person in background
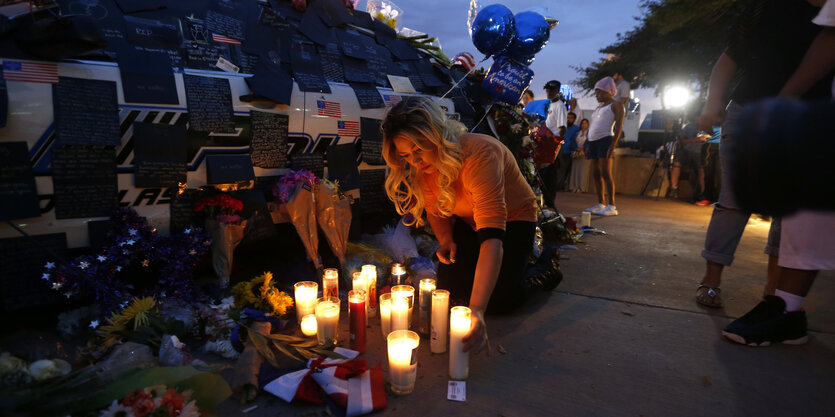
{"x":569,"y":146}
{"x":573,"y":107}
{"x":624,"y":91}
{"x":688,"y":154}
{"x":575,"y":181}
{"x":557,"y":113}
{"x":748,"y":59}
{"x":527,"y":97}
{"x":605,"y":129}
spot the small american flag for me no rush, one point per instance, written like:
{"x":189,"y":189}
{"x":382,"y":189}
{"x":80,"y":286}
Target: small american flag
{"x":391,"y":99}
{"x":328,"y":108}
{"x":347,"y":129}
{"x":33,"y":72}
{"x":223,"y":39}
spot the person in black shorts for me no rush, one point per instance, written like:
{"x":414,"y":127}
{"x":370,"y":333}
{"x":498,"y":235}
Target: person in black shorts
{"x":688,"y":154}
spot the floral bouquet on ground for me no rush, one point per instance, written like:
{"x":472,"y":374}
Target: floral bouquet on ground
{"x":333,"y":212}
{"x":261,"y":294}
{"x":226,"y":228}
{"x":157,"y":400}
{"x":294,"y":192}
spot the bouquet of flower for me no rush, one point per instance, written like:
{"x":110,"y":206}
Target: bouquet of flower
{"x":226,"y":228}
{"x":154,"y":401}
{"x":385,"y":11}
{"x":294,"y":192}
{"x":333,"y":212}
{"x":260,"y":293}
{"x":514,"y":129}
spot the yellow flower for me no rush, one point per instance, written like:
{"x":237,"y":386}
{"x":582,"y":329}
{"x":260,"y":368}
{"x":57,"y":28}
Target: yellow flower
{"x":138,"y":311}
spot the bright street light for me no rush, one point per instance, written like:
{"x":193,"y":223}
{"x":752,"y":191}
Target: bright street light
{"x":677,"y":96}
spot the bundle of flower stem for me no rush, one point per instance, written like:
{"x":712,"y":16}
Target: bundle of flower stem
{"x":426,"y":43}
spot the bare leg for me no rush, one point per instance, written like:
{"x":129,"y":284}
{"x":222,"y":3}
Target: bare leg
{"x":606,"y":171}
{"x":713,"y":275}
{"x":796,"y":281}
{"x":702,"y":181}
{"x":598,"y":179}
{"x":674,"y":174}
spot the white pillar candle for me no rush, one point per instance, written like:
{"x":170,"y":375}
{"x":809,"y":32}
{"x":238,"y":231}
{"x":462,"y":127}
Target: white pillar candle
{"x":459,"y":327}
{"x":407,"y":292}
{"x":440,"y":313}
{"x":399,"y":312}
{"x":370,"y":274}
{"x":309,"y":325}
{"x":327,"y":320}
{"x":306,"y":293}
{"x":385,"y":314}
{"x":427,"y":285}
{"x":330,"y":283}
{"x":359,"y":283}
{"x":402,"y":361}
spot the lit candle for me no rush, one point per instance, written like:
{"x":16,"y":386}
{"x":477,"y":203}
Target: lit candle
{"x":398,"y":275}
{"x":360,"y":283}
{"x":356,"y":319}
{"x":408,"y":292}
{"x":459,"y":327}
{"x":402,"y":361}
{"x":399,"y":312}
{"x":370,"y":274}
{"x":330,"y":283}
{"x":306,"y":293}
{"x":327,"y":320}
{"x":427,"y":285}
{"x":385,"y":314}
{"x":440,"y":311}
{"x":309,"y":325}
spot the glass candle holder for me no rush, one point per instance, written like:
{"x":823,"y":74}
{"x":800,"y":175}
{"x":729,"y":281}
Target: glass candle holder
{"x":408,"y":292}
{"x":385,"y":314}
{"x":327,"y":320}
{"x":308,"y":325}
{"x":399,"y":312}
{"x":330,"y":283}
{"x":427,"y":285}
{"x":459,"y":327}
{"x":356,"y":319}
{"x":370,"y":274}
{"x":306,"y":293}
{"x":398,"y":275}
{"x":360,"y":283}
{"x":402,"y":360}
{"x":440,"y":322}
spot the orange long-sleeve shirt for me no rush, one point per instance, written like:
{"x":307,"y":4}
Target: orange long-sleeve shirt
{"x":490,"y":190}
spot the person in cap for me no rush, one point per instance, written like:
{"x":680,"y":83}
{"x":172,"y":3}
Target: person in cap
{"x":604,"y":132}
{"x":688,"y":154}
{"x":557,"y":113}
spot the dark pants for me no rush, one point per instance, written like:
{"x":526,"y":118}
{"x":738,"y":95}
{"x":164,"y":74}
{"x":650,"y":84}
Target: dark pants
{"x":548,"y":175}
{"x":510,"y":292}
{"x":563,"y":168}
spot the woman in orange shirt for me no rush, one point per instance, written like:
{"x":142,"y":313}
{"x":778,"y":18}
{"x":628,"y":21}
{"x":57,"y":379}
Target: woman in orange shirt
{"x":472,"y":193}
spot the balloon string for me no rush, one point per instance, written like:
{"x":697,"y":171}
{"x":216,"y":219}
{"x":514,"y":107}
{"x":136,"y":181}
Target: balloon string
{"x":486,"y":112}
{"x":464,"y":77}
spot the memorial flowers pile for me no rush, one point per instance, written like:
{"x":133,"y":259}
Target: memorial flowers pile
{"x":153,"y":401}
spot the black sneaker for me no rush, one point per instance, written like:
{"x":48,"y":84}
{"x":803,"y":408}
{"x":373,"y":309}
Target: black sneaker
{"x":769,"y":323}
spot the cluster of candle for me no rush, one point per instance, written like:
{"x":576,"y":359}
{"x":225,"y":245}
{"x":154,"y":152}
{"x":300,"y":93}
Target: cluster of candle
{"x":320,"y":317}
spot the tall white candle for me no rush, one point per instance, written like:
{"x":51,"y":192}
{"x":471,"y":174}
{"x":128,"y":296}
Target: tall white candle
{"x":440,"y":313}
{"x":330,"y":283}
{"x":385,"y":314}
{"x":408,"y":292}
{"x":459,"y":327}
{"x":359,"y":283}
{"x":370,"y":274}
{"x":399,"y":312}
{"x":306,"y":293}
{"x":402,"y":364}
{"x":327,"y":320}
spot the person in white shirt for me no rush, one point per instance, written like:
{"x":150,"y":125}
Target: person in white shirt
{"x":624,"y":92}
{"x":557,"y":113}
{"x":605,"y":130}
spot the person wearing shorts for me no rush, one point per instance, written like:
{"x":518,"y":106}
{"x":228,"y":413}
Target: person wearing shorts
{"x":605,"y":129}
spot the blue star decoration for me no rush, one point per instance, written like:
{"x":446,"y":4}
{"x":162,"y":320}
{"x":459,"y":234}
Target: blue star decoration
{"x":94,"y":324}
{"x":83,"y":265}
{"x":49,"y":265}
{"x":57,"y":285}
{"x":132,"y":232}
{"x":187,"y":231}
{"x":101,"y":258}
{"x":45,"y":276}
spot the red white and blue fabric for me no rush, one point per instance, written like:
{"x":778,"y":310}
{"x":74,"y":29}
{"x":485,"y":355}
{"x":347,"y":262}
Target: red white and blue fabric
{"x":328,"y":108}
{"x":225,"y":39}
{"x":465,"y":59}
{"x":348,"y":383}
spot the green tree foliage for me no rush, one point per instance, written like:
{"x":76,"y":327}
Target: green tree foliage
{"x":675,"y":41}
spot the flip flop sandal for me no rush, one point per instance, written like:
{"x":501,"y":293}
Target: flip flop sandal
{"x":708,"y":296}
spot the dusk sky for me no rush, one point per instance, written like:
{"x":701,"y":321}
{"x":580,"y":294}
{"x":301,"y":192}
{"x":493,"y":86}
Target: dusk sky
{"x":585,"y":27}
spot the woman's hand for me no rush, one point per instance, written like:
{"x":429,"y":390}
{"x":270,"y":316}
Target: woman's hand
{"x":446,"y":253}
{"x":477,"y":341}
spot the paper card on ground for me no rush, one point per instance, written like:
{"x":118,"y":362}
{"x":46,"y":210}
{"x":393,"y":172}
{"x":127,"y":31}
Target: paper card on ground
{"x":457,"y":391}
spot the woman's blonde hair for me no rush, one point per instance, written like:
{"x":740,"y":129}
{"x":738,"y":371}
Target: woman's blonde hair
{"x":426,"y":124}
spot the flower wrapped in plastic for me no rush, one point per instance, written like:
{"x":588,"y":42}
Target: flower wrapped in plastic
{"x":294,"y":192}
{"x":333,"y":213}
{"x":226,"y":228}
{"x":154,"y":401}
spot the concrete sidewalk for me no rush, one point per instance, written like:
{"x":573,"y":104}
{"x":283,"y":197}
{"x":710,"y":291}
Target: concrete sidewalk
{"x":623,"y":336}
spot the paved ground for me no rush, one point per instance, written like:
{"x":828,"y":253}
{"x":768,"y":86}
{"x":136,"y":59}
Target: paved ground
{"x":622,"y":335}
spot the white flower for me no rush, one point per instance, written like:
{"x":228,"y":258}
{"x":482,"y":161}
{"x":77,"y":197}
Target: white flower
{"x":117,"y":410}
{"x":45,"y":369}
{"x":516,"y":128}
{"x":190,"y":410}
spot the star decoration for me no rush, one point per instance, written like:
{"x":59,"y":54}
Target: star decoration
{"x":49,"y":265}
{"x":84,"y":265}
{"x":192,"y":252}
{"x":122,"y":243}
{"x":118,"y":269}
{"x":130,"y":242}
{"x":102,"y":258}
{"x":94,"y":324}
{"x":123,"y":304}
{"x":57,"y":285}
{"x":146,"y":263}
{"x":132,"y":232}
{"x":187,"y":231}
{"x":68,"y":294}
{"x":45,"y":276}
{"x":125,"y":252}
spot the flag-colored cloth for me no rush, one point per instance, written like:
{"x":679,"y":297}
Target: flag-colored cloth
{"x":348,"y":383}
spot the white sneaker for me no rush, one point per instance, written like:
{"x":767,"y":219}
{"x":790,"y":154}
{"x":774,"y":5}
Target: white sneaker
{"x":607,"y":211}
{"x":595,"y":208}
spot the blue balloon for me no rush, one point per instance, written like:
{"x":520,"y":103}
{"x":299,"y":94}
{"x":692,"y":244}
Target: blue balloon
{"x":532,"y":33}
{"x":493,"y":29}
{"x":507,"y":80}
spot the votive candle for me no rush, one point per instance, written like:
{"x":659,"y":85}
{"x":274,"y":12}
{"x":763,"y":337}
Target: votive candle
{"x":356,"y":319}
{"x":330,"y":283}
{"x":359,"y":283}
{"x":327,"y":320}
{"x":440,"y":314}
{"x":459,"y":327}
{"x":385,"y":314}
{"x":402,"y":361}
{"x":398,"y":275}
{"x":370,"y":273}
{"x":306,"y":293}
{"x":399,"y":312}
{"x":309,"y":325}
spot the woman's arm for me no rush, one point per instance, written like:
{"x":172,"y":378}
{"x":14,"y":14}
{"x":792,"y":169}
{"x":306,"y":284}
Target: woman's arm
{"x":818,"y":61}
{"x":486,"y":274}
{"x":442,"y":227}
{"x":618,"y":129}
{"x":721,"y":75}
